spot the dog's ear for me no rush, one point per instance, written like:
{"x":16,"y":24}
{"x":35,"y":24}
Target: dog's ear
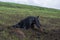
{"x":37,"y":16}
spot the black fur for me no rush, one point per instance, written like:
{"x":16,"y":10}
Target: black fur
{"x":28,"y":22}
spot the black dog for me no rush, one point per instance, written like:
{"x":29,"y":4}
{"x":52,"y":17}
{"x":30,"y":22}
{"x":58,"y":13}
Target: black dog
{"x":28,"y":22}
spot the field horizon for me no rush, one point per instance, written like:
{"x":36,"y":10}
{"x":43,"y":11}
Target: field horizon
{"x":12,"y":13}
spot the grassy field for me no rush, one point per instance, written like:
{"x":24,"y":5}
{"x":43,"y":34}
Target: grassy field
{"x":11,"y":13}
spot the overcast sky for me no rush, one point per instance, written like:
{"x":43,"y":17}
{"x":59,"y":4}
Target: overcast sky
{"x":43,"y":3}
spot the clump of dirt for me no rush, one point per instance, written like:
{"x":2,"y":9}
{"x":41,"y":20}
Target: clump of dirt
{"x":52,"y":35}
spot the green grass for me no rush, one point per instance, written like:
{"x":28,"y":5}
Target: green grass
{"x":12,"y":13}
{"x":12,"y":8}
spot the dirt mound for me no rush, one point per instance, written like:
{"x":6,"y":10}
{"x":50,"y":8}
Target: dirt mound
{"x":36,"y":35}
